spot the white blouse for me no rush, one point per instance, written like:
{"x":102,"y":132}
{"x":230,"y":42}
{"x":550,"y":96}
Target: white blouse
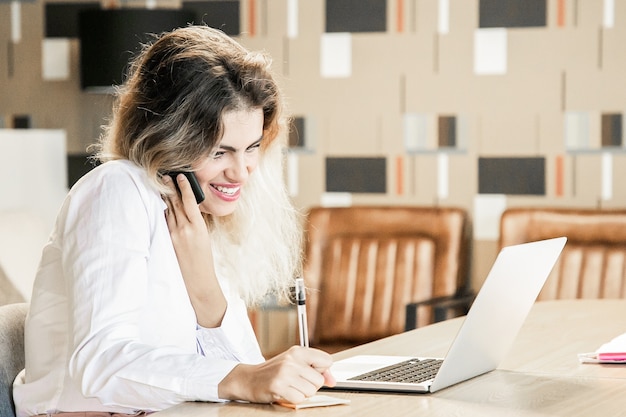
{"x":110,"y":326}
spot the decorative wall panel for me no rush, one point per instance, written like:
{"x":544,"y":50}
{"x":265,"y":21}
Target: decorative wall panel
{"x":430,"y":102}
{"x":61,"y":19}
{"x":221,"y":14}
{"x":512,"y":13}
{"x":356,"y":15}
{"x":612,"y":130}
{"x":447,"y":131}
{"x":356,"y":175}
{"x":297,"y":133}
{"x":517,"y":176}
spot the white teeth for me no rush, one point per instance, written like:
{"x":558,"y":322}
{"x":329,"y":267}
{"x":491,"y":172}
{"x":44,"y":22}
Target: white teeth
{"x":226,"y":190}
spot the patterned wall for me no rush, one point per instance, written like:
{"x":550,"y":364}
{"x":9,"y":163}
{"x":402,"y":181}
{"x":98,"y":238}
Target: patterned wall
{"x":482,"y":104}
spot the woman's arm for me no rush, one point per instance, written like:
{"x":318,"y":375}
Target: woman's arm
{"x":119,"y":272}
{"x":192,"y":243}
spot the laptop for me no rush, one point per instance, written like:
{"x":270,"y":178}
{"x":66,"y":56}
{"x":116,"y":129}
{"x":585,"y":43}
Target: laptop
{"x":486,"y":335}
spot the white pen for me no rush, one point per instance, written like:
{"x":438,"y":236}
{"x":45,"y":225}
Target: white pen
{"x":302,"y":322}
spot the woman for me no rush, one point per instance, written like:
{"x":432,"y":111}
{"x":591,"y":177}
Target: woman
{"x":141,"y":295}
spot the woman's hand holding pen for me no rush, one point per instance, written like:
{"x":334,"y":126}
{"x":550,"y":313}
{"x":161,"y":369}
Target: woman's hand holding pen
{"x":292,"y":376}
{"x":192,"y":244}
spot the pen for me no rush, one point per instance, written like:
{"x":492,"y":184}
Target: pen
{"x":302,"y":322}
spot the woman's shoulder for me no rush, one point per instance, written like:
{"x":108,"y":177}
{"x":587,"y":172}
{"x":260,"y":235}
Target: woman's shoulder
{"x":114,"y":178}
{"x":122,"y":167}
{"x":113,"y":171}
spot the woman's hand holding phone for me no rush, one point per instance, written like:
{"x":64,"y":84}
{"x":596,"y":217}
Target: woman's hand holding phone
{"x":193,"y":181}
{"x":192,"y":244}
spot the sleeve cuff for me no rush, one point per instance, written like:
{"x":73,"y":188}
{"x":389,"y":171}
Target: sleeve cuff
{"x":233,"y":340}
{"x":204,"y":381}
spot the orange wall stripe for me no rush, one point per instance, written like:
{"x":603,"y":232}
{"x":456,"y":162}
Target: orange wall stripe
{"x":252,"y":17}
{"x":559,"y":191}
{"x":400,"y":175}
{"x":560,"y":13}
{"x":400,"y":15}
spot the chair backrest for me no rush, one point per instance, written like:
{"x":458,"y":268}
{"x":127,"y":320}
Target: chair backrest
{"x":12,"y":318}
{"x":364,"y":264}
{"x":593,"y":263}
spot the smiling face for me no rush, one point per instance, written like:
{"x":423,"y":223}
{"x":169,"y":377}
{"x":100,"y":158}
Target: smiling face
{"x":223,"y":174}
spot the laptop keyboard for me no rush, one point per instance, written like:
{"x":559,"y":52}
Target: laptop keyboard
{"x":410,"y":371}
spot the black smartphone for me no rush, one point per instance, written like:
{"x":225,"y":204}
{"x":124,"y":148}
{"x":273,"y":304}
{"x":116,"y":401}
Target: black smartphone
{"x":195,"y":186}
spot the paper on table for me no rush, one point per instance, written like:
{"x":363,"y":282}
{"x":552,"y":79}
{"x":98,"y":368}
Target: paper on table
{"x":610,"y":352}
{"x":315,"y":401}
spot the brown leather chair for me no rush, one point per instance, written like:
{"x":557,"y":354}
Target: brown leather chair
{"x":593,"y":262}
{"x":365,"y":265}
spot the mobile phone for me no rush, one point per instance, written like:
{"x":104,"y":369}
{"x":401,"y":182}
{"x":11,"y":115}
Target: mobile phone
{"x":195,"y":186}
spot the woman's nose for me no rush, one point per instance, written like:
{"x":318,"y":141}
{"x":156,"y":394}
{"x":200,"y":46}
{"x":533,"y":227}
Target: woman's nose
{"x":239,"y":169}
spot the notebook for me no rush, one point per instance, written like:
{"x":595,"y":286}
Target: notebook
{"x":486,"y":335}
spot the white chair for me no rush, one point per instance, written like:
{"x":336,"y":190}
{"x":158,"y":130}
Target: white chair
{"x":12,"y":318}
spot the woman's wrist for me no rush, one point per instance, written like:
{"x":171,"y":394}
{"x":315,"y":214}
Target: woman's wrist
{"x":232,"y":387}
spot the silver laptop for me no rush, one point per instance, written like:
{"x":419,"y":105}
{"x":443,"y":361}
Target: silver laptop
{"x":486,"y":335}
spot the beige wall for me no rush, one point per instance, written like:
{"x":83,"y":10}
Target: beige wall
{"x":552,"y":70}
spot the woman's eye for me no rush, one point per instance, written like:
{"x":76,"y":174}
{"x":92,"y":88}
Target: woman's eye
{"x":254,"y":147}
{"x":218,"y":154}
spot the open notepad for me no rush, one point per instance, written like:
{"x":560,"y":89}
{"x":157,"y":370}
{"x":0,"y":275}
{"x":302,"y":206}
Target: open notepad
{"x":610,"y":352}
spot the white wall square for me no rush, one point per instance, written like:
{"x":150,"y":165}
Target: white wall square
{"x":419,"y":131}
{"x":336,"y":200}
{"x":336,"y":55}
{"x":443,"y":16}
{"x":608,"y":14}
{"x":607,"y":176}
{"x":490,"y":51}
{"x":576,"y":130}
{"x":16,"y":21}
{"x":55,"y":59}
{"x":292,"y":19}
{"x":488,"y":209}
{"x":293,"y":178}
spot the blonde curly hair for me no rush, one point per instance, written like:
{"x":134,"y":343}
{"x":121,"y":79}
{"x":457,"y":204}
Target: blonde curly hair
{"x":169,"y":115}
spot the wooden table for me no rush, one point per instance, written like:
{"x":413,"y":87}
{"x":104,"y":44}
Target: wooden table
{"x":541,"y":375}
